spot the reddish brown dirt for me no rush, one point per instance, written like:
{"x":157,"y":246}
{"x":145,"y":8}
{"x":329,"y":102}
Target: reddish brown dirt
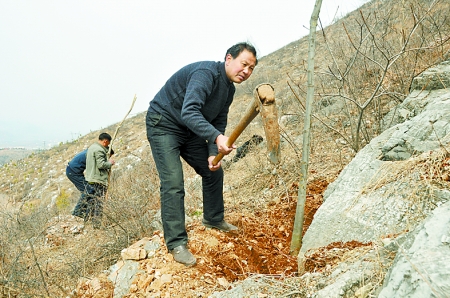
{"x":261,"y":246}
{"x":263,"y":241}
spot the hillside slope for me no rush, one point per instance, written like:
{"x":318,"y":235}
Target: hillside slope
{"x":8,"y":154}
{"x":365,"y":64}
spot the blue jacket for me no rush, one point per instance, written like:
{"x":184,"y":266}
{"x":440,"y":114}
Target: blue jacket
{"x":197,"y":97}
{"x":78,"y":163}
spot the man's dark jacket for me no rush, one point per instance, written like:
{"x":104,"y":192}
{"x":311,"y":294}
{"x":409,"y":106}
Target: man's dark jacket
{"x":78,"y":163}
{"x":197,"y":97}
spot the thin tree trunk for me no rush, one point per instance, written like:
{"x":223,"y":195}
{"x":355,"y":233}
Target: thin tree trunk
{"x":296,"y":241}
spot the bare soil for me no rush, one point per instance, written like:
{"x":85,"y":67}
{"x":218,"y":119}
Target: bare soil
{"x":261,"y":246}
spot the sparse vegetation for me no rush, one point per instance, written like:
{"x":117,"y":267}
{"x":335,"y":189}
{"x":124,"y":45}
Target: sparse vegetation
{"x":62,"y":201}
{"x":11,"y":154}
{"x":365,"y":63}
{"x":373,"y":57}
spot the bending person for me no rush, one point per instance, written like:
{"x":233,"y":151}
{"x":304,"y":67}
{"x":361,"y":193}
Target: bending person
{"x":187,"y":118}
{"x":97,"y":173}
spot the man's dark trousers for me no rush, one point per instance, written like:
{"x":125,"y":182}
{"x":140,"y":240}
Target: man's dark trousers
{"x":168,"y":142}
{"x":95,"y":197}
{"x":82,"y":185}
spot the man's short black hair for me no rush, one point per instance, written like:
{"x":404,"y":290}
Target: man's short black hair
{"x":104,"y":136}
{"x":238,"y":48}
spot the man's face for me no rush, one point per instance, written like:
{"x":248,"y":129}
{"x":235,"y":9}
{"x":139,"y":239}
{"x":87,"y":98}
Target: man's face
{"x":105,"y":143}
{"x":241,"y":68}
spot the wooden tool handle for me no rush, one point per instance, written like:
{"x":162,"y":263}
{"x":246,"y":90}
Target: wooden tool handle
{"x":262,"y":93}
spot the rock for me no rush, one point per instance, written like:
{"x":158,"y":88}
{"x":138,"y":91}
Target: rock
{"x":142,"y":249}
{"x":364,"y":291}
{"x":344,"y":283}
{"x":145,"y":281}
{"x":122,"y":275}
{"x":352,"y":210}
{"x":370,"y":202}
{"x":223,"y":282}
{"x":166,"y":278}
{"x":248,"y":145}
{"x":422,"y":265}
{"x":124,"y":272}
{"x":96,"y":287}
{"x":433,"y":78}
{"x":133,"y":253}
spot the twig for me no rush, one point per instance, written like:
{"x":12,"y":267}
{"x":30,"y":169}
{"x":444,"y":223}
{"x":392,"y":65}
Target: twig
{"x":120,"y":124}
{"x":321,"y":121}
{"x":39,"y":267}
{"x":292,"y":293}
{"x":114,"y":137}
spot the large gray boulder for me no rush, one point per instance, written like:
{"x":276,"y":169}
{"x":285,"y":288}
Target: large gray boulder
{"x":368,"y":200}
{"x":422,"y":265}
{"x":390,"y":188}
{"x":433,"y":78}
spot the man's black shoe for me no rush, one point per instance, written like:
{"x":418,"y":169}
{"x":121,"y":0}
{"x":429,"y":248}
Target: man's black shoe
{"x":221,"y":225}
{"x":182,"y":255}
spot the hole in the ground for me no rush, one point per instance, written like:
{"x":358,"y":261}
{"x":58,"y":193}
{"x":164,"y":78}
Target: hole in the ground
{"x":263,"y":242}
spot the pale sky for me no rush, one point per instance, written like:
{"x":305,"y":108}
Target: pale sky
{"x":71,"y":67}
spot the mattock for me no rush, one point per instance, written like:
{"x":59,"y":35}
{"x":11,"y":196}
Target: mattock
{"x":263,"y":103}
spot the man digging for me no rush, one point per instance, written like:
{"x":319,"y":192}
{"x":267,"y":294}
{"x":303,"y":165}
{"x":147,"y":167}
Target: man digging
{"x":187,"y":118}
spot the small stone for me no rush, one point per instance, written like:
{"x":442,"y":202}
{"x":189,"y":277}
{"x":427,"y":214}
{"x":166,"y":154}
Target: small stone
{"x":223,"y":282}
{"x":96,"y":284}
{"x":166,"y":278}
{"x":132,"y":253}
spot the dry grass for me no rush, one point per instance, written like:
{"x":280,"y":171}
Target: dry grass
{"x":415,"y":181}
{"x":33,"y":184}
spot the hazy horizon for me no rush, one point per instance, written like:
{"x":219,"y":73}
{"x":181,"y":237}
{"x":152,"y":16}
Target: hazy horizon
{"x":68,"y":68}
